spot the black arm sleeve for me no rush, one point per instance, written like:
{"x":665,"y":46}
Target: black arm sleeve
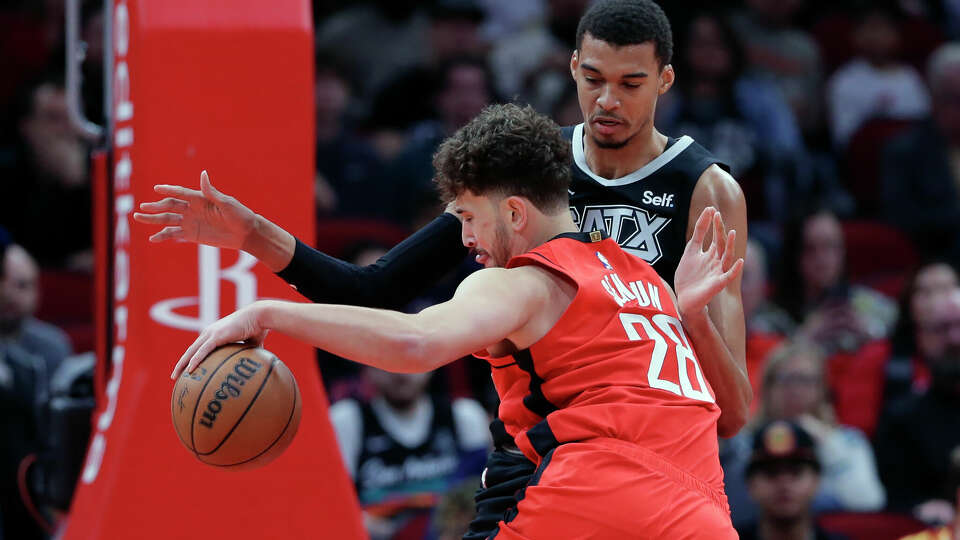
{"x":405,"y":271}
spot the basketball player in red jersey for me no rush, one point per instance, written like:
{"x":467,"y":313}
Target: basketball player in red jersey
{"x":599,"y":383}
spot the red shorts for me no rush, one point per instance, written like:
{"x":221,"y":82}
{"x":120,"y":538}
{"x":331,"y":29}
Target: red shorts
{"x":610,"y":489}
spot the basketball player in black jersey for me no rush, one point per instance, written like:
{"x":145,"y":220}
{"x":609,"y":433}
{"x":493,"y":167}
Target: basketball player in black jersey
{"x":641,"y":187}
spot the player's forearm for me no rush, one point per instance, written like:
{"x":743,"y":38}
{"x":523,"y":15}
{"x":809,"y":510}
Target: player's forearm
{"x":406,"y":271}
{"x":269,"y":243}
{"x":388,"y":340}
{"x":726,"y":373}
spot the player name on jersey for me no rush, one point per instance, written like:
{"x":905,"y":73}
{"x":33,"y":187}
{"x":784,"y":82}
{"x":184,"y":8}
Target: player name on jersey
{"x":643,"y":293}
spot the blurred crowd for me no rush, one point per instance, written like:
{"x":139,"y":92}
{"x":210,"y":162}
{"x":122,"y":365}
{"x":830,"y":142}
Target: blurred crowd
{"x":841,"y":122}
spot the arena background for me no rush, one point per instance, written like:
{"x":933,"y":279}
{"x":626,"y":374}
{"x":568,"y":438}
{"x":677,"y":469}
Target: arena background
{"x":323,"y":117}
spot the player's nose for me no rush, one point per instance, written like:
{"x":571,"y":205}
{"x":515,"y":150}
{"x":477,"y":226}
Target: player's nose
{"x":466,"y":236}
{"x":607,"y":100}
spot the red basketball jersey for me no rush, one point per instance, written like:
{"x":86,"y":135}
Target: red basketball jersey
{"x":617,"y":364}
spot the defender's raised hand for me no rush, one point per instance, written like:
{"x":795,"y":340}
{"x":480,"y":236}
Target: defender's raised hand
{"x":204,"y":217}
{"x":702,"y":274}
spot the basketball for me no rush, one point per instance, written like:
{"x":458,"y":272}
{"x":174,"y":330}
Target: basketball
{"x":239,"y":409}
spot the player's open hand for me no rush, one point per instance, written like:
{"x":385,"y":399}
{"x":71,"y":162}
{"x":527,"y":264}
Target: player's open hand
{"x":205,"y":217}
{"x":241,"y":325}
{"x":702,"y":273}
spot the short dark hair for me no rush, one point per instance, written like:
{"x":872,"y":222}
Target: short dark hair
{"x":510,"y":150}
{"x":629,"y":22}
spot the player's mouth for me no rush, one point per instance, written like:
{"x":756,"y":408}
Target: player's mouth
{"x":481,"y":257}
{"x":604,"y":125}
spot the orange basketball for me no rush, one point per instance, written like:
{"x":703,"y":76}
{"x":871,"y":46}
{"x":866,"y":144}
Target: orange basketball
{"x":239,"y":409}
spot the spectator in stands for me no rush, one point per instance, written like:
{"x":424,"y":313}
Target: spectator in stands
{"x":48,"y":177}
{"x":404,"y":450}
{"x":463,"y":87}
{"x":851,"y":322}
{"x":794,"y":389}
{"x":533,"y":65}
{"x":813,"y":288}
{"x":950,"y":531}
{"x":919,"y":434}
{"x":19,"y":296}
{"x":875,"y":83}
{"x":920,"y":196}
{"x":417,"y":34}
{"x":776,"y":48}
{"x":783,"y":476}
{"x":743,"y":119}
{"x":348,"y":166}
{"x":22,"y":391}
{"x":367,"y":27}
{"x":455,"y":29}
{"x":914,"y":339}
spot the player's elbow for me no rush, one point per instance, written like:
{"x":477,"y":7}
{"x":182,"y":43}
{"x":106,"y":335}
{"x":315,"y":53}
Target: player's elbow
{"x":734,"y":416}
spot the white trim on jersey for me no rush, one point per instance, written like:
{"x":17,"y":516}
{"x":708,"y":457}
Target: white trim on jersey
{"x":580,"y":158}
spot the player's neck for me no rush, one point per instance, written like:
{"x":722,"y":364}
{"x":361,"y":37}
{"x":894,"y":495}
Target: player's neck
{"x":546,"y":227}
{"x":612,"y":163}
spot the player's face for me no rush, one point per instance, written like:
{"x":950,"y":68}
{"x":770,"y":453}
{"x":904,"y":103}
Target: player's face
{"x":484,"y":230}
{"x":618,"y":89}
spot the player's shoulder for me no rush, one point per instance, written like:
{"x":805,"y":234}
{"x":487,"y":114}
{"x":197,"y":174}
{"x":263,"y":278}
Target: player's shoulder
{"x":717,"y":187}
{"x":517,"y":281}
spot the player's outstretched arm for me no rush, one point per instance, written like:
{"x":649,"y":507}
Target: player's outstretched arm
{"x":718,"y":189}
{"x":210,"y":217}
{"x":488,"y":307}
{"x":701,"y":276}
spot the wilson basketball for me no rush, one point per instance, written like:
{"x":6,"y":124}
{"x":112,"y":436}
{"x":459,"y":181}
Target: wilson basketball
{"x":239,"y":409}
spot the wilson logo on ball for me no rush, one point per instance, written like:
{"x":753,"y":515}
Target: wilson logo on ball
{"x":230,"y":387}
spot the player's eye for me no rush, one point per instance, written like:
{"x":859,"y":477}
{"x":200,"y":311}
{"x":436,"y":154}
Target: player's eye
{"x":592,"y":80}
{"x":631,"y":85}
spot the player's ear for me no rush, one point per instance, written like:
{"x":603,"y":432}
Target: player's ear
{"x":574,"y":62}
{"x":517,"y":212}
{"x":667,"y":76}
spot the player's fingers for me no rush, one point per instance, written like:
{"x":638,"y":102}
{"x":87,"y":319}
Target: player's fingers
{"x":729,"y":250}
{"x":703,"y":224}
{"x":168,"y":233}
{"x":206,"y":187}
{"x":163,"y":218}
{"x":166,"y":205}
{"x":201,"y":353}
{"x":179,"y":192}
{"x":733,"y":273}
{"x":188,"y":354}
{"x":716,"y":241}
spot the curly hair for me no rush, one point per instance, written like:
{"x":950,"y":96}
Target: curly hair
{"x":628,"y":22}
{"x":508,"y":150}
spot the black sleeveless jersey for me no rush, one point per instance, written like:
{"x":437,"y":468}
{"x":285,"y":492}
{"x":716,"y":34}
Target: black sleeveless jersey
{"x":388,"y":470}
{"x":645,"y":211}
